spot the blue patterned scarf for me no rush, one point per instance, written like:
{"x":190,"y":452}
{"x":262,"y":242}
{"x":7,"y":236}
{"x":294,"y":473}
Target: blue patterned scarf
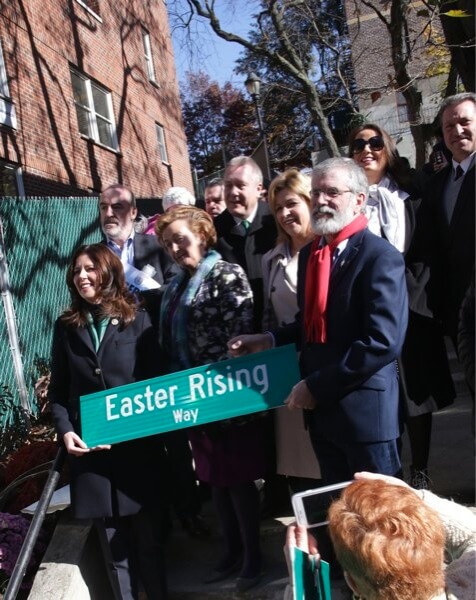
{"x":176,"y":302}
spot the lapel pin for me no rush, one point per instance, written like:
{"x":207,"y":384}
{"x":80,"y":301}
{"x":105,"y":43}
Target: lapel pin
{"x":115,"y":321}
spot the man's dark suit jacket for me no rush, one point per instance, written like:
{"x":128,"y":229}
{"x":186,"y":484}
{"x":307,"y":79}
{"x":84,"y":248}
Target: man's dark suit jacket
{"x":147,"y":251}
{"x":448,"y":248}
{"x":248,"y":249}
{"x":353,"y":376}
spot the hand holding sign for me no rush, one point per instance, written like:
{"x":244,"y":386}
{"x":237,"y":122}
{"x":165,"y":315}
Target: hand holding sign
{"x":249,"y":344}
{"x":301,"y":397}
{"x":74,"y":445}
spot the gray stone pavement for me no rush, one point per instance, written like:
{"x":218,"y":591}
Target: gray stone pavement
{"x":451,"y":468}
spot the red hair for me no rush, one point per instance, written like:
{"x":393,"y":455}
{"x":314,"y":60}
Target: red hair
{"x":388,"y":539}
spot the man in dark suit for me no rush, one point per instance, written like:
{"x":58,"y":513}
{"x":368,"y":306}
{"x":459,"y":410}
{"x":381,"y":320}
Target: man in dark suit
{"x":147,"y":266}
{"x":350,"y":329}
{"x":246,"y":229}
{"x":446,"y":222}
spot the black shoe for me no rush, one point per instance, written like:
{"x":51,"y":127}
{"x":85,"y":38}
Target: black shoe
{"x":195,"y":526}
{"x":221,"y":574}
{"x":419,"y":479}
{"x":243,"y":584}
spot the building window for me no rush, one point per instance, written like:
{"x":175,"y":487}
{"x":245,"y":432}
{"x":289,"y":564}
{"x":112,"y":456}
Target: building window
{"x":148,"y":56}
{"x":7,"y":109}
{"x":162,"y":146}
{"x":94,"y":110}
{"x":11,"y":183}
{"x":91,"y":6}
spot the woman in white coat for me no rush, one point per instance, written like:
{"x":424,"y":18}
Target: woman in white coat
{"x":289,"y":200}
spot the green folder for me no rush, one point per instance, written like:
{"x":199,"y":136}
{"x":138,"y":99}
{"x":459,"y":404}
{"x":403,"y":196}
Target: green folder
{"x":311,"y":580}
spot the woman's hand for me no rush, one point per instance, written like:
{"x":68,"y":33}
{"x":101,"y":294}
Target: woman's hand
{"x":386,"y":478}
{"x":249,"y":344}
{"x":298,"y":536}
{"x":74,"y":445}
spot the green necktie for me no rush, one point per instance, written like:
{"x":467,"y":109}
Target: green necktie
{"x":97,"y":330}
{"x":246,"y":225}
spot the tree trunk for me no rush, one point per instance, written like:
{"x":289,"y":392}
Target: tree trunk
{"x":400,"y":59}
{"x":320,"y":119}
{"x":459,"y":32}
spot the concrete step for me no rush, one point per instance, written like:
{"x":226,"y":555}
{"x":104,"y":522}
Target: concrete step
{"x":190,"y":560}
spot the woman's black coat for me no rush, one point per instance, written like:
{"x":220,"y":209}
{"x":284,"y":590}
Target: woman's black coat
{"x":130,"y":476}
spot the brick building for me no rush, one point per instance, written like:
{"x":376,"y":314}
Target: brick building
{"x":89,"y":97}
{"x":379,"y":99}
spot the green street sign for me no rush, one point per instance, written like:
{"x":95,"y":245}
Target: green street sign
{"x":222,"y":390}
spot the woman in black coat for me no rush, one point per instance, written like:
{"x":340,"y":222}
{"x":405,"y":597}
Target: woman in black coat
{"x":392,"y":210}
{"x":100,"y":342}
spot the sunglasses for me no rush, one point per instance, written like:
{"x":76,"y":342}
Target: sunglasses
{"x":375,"y":143}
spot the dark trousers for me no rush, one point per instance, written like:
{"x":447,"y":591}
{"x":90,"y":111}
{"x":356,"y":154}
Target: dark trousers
{"x":237,"y":507}
{"x":183,"y":489}
{"x":339,"y":458}
{"x":134,"y":550}
{"x":275,"y":491}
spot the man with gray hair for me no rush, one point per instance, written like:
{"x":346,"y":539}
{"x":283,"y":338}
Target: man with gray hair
{"x":352,"y":319}
{"x":246,"y":229}
{"x":446,"y":220}
{"x":146,"y":265}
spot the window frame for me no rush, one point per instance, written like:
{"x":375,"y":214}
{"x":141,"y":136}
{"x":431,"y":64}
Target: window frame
{"x":403,"y":110}
{"x":92,"y":115}
{"x":162,"y":144}
{"x":7,"y":108}
{"x":87,"y":8}
{"x":148,"y":56}
{"x":18,"y":176}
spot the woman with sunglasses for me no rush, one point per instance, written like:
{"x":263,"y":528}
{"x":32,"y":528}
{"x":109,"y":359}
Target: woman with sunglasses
{"x":390,"y":209}
{"x":425,"y":378}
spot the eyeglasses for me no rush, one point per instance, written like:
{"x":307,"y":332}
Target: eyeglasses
{"x":375,"y":143}
{"x":329,"y":193}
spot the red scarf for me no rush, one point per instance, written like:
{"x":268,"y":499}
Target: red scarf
{"x":318,"y":273}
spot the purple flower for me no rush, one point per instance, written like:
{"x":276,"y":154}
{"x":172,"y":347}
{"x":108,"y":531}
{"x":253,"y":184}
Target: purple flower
{"x":13,"y":529}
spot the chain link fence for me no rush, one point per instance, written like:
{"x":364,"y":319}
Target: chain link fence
{"x":39,"y":236}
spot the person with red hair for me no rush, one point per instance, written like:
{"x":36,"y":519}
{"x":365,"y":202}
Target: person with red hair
{"x":393,"y":541}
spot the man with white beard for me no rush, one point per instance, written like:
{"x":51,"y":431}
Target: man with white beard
{"x":350,"y":328}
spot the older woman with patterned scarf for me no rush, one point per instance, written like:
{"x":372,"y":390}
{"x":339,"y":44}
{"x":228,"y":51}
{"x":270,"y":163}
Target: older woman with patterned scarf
{"x":205,"y":305}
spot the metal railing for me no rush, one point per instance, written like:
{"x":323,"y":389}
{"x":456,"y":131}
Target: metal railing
{"x":28,"y":545}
